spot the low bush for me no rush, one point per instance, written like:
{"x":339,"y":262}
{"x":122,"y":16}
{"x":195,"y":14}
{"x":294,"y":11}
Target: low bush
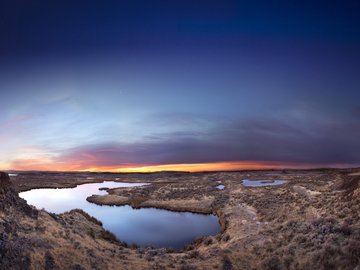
{"x":226,"y":263}
{"x":109,"y":236}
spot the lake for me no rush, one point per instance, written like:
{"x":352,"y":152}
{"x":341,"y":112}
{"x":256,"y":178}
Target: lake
{"x":144,"y":227}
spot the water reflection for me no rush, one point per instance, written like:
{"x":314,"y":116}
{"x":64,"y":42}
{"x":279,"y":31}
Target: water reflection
{"x":143,"y":227}
{"x":60,"y":200}
{"x":262,"y":183}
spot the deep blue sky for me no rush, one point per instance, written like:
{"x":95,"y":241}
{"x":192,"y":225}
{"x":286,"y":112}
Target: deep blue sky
{"x":119,"y":83}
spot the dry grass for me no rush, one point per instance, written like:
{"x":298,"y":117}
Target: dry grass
{"x":263,"y":228}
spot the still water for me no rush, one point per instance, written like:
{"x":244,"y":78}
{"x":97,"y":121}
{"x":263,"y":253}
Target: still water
{"x":144,"y":227}
{"x":221,"y":187}
{"x":262,"y":183}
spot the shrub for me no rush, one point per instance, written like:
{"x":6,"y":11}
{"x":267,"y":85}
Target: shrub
{"x":91,"y":232}
{"x":227,"y":265}
{"x":194,"y":254}
{"x":109,"y":236}
{"x":87,"y":216}
{"x":226,"y":237}
{"x":272,"y":263}
{"x":77,"y":267}
{"x":345,"y":229}
{"x":353,"y":249}
{"x":49,"y":261}
{"x":208,"y":241}
{"x":188,"y":267}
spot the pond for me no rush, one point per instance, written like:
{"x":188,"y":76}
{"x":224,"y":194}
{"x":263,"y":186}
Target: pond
{"x":262,"y":183}
{"x":294,"y":174}
{"x":144,"y":227}
{"x":221,"y":187}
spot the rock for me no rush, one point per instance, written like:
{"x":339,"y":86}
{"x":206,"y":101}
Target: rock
{"x":10,"y":200}
{"x":5,"y":183}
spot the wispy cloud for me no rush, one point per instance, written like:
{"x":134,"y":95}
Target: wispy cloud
{"x":260,"y":141}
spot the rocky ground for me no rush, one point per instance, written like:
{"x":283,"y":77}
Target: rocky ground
{"x":311,"y":222}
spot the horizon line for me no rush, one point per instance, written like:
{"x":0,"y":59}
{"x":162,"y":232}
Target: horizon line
{"x":183,"y":171}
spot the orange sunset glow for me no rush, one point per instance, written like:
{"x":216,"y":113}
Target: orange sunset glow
{"x":29,"y":165}
{"x":36,"y":165}
{"x":198,"y":167}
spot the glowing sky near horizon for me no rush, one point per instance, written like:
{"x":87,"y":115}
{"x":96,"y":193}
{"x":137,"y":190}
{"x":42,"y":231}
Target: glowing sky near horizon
{"x":179,"y":85}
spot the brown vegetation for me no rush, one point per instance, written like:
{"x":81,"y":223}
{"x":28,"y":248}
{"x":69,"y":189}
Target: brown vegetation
{"x":312,"y":222}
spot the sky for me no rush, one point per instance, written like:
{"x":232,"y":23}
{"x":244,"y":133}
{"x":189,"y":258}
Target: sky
{"x":179,"y":85}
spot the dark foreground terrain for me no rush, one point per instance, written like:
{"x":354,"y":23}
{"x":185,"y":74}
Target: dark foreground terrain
{"x":311,"y":222}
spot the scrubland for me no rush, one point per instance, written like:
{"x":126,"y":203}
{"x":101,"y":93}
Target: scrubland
{"x":311,"y":222}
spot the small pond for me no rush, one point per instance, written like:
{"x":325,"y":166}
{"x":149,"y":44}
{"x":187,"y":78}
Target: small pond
{"x":221,"y":187}
{"x":294,"y":174}
{"x":262,"y":183}
{"x":144,"y":227}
